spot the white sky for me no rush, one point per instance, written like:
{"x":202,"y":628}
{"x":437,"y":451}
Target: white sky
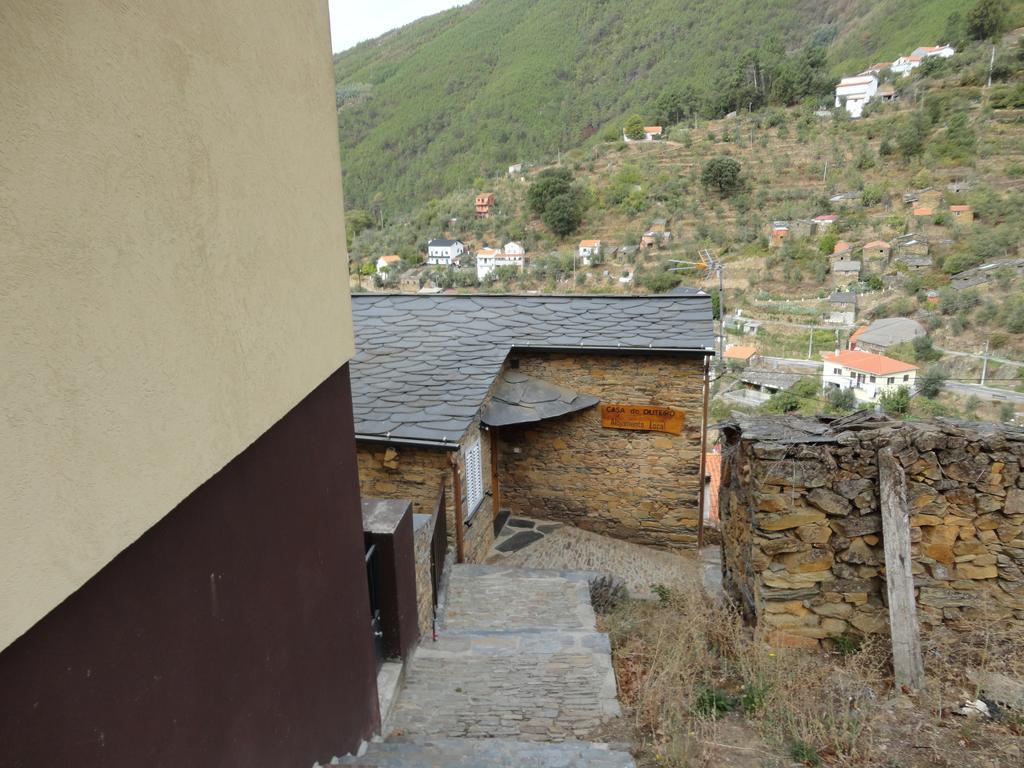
{"x":353,"y":21}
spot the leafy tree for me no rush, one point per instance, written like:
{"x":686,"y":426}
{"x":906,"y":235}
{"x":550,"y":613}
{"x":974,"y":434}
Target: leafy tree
{"x":986,"y":19}
{"x":971,"y":407}
{"x":783,"y":402}
{"x":842,"y":399}
{"x":924,"y":350}
{"x":721,"y":174}
{"x":828,"y":242}
{"x":563,"y":214}
{"x":672,"y":106}
{"x":931,"y":382}
{"x":634,"y":128}
{"x":954,"y":32}
{"x":910,"y":137}
{"x":550,"y":183}
{"x":895,"y":401}
{"x":356,"y":222}
{"x":1007,"y":412}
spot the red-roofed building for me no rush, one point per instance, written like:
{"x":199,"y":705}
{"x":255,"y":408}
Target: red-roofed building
{"x":484,"y":203}
{"x":867,"y":374}
{"x":962,"y":214}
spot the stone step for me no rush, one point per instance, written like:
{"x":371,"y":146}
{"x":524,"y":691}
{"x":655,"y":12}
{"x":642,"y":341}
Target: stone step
{"x":488,"y":753}
{"x":535,"y":686}
{"x":509,"y":599}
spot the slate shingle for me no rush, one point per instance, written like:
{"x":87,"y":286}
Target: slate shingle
{"x":424,"y":364}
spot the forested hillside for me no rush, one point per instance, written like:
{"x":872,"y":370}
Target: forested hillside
{"x":455,"y":97}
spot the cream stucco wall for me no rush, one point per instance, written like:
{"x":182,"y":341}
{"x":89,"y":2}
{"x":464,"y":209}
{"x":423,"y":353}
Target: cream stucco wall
{"x":172,"y":267}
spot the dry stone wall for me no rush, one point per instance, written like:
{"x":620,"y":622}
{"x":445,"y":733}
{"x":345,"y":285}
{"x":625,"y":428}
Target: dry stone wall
{"x":634,"y":485}
{"x":802,"y":529}
{"x":395,"y":471}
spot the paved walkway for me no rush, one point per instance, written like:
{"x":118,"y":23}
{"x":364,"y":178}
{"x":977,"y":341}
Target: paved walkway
{"x":519,"y":676}
{"x":529,"y":543}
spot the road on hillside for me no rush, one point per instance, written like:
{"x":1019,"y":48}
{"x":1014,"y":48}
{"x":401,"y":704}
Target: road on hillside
{"x":985,"y":393}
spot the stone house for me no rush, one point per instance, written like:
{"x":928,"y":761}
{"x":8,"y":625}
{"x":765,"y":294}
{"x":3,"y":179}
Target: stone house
{"x":885,"y":333}
{"x":962,"y":214}
{"x":844,"y":272}
{"x":779,"y":234}
{"x":803,"y":539}
{"x":876,"y":250}
{"x":530,"y":399}
{"x":842,"y":308}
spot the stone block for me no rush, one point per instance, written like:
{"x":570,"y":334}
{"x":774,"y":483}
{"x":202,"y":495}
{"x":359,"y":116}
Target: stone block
{"x":787,"y":640}
{"x":870,"y":623}
{"x":972,"y":571}
{"x":937,"y":542}
{"x":834,"y":610}
{"x":807,"y":562}
{"x":858,"y":526}
{"x":793,"y":520}
{"x":814,"y":534}
{"x":829,"y":502}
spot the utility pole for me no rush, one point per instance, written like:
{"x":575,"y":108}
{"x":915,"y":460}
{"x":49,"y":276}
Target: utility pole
{"x":810,"y":345}
{"x":984,"y":365}
{"x":824,"y":174}
{"x":991,"y":65}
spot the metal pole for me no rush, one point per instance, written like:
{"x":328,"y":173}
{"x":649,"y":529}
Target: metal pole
{"x":703,"y":455}
{"x":984,"y":365}
{"x":453,"y":459}
{"x":810,"y":345}
{"x":495,"y":486}
{"x":721,"y":320}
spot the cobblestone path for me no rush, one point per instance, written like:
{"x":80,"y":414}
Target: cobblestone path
{"x":565,"y":546}
{"x":519,"y":676}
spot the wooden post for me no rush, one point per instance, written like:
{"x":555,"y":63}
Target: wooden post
{"x":495,"y":487}
{"x":908,"y":667}
{"x":703,"y":456}
{"x":453,"y":459}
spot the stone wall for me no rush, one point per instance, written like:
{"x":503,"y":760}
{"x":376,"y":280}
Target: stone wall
{"x":394,"y":471}
{"x":802,"y":527}
{"x":423,"y":532}
{"x":639,"y":486}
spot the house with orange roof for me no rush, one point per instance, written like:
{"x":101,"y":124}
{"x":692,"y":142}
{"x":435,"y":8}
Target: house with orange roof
{"x":933,"y":51}
{"x":854,"y":93}
{"x":924,"y":212}
{"x":869,"y":375}
{"x":904,"y":65}
{"x":962,"y":214}
{"x":740,"y":353}
{"x":779,"y":235}
{"x":588,"y":249}
{"x":387,"y":264}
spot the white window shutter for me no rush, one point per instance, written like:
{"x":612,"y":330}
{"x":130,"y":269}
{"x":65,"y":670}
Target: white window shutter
{"x":474,"y":477}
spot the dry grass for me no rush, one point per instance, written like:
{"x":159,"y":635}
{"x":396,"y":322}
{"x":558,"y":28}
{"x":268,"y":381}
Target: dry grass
{"x":705,"y":690}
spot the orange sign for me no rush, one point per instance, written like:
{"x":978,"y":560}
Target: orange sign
{"x":649,"y":418}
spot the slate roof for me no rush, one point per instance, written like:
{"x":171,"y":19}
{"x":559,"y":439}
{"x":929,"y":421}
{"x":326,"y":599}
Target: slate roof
{"x":890,"y":331}
{"x":424,"y":364}
{"x":521,"y":399}
{"x":441,"y":243}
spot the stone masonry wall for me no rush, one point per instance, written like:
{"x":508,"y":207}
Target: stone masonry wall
{"x":639,"y":486}
{"x":423,"y":531}
{"x":802,"y":527}
{"x":414,"y":473}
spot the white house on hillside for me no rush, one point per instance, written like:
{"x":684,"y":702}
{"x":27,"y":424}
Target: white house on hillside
{"x":386,"y":264}
{"x":929,"y":51}
{"x":651,"y":132}
{"x":445,"y":253}
{"x":904,"y":65}
{"x":867,"y":374}
{"x":514,"y":249}
{"x":854,"y":93}
{"x":589,"y":249}
{"x":489,"y":259}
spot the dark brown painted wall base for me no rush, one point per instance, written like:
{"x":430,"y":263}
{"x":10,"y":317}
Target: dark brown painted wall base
{"x":233,"y":633}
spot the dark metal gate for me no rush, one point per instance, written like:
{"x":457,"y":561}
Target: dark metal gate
{"x":373,"y":580}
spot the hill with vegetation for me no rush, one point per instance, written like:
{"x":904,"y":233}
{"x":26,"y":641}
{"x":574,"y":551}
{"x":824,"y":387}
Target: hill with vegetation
{"x":945,"y":140}
{"x":459,"y":96}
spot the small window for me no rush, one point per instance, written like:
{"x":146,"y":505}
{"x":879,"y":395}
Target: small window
{"x":906,"y":377}
{"x":474,"y":478}
{"x":872,"y":379}
{"x":837,"y":371}
{"x":892,"y":379}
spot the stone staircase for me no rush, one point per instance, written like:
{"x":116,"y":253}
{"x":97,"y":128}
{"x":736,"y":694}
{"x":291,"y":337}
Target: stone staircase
{"x":519,"y":676}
